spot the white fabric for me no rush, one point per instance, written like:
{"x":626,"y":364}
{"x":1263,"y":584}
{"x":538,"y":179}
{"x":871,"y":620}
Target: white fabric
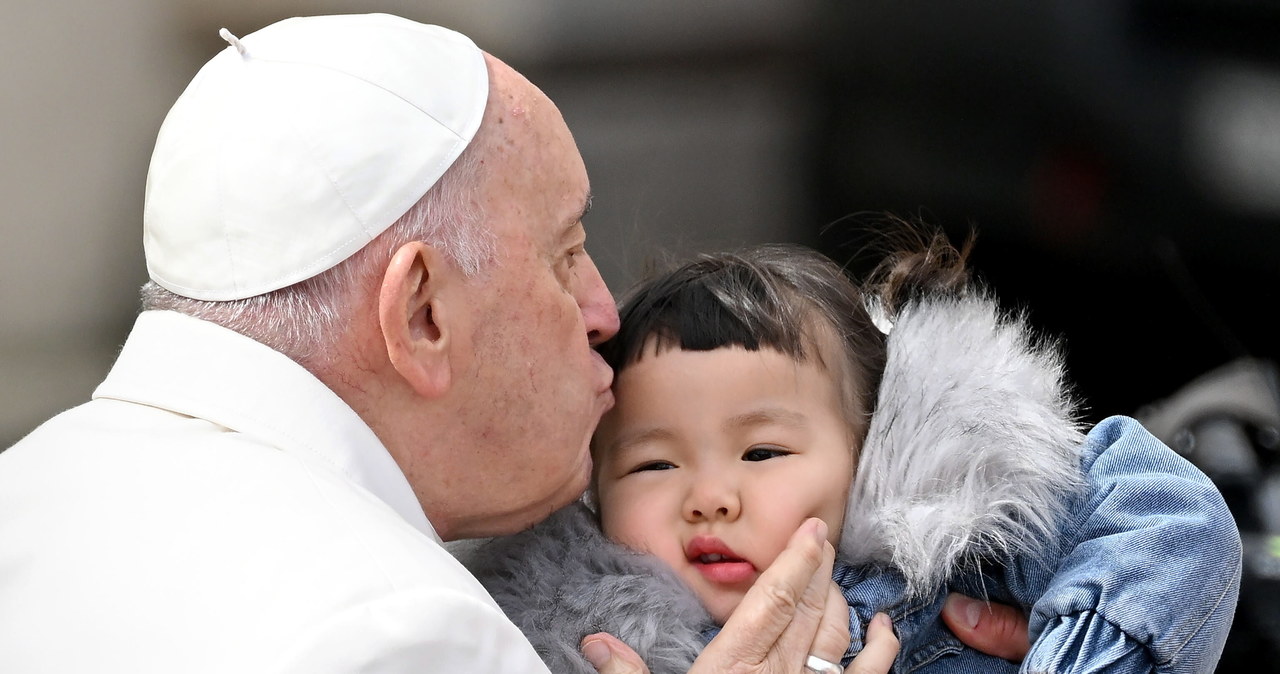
{"x":277,"y":163}
{"x":216,"y":508}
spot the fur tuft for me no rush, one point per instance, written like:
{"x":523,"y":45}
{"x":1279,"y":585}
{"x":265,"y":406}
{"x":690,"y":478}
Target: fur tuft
{"x":972,"y":451}
{"x":563,"y":580}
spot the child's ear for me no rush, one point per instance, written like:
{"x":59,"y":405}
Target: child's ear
{"x":414,"y":316}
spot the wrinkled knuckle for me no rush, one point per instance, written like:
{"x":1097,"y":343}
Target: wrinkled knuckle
{"x":832,"y":639}
{"x":781,"y":600}
{"x":839,"y":631}
{"x":1008,"y":622}
{"x":811,"y":605}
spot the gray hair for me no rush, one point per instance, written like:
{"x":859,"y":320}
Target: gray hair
{"x":303,"y":320}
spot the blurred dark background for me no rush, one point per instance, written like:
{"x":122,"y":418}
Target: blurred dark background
{"x":1119,"y":161}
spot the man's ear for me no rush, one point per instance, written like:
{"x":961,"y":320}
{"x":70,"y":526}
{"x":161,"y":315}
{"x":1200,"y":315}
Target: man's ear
{"x":414,"y":319}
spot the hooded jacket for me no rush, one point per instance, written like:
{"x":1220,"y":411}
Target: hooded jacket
{"x":975,"y":477}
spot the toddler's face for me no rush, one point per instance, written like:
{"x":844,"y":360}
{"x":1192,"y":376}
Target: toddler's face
{"x":711,"y":460}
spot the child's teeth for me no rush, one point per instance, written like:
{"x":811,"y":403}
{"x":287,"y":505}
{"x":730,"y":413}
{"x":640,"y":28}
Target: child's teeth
{"x":713,"y":557}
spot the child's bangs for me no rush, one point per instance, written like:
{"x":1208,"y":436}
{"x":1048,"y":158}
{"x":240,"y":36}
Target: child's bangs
{"x":712,"y":304}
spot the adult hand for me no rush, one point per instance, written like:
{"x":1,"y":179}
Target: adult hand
{"x":994,"y":629}
{"x":610,"y":656}
{"x":792,"y":611}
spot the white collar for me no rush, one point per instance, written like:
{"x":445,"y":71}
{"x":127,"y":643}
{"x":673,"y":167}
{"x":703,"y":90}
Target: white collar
{"x":193,"y":367}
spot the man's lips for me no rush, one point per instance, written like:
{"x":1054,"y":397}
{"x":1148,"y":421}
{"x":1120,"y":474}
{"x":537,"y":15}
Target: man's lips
{"x":718,"y":562}
{"x":606,"y":373}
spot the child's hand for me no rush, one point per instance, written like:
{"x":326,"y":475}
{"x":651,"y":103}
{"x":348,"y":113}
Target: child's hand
{"x":880,"y":649}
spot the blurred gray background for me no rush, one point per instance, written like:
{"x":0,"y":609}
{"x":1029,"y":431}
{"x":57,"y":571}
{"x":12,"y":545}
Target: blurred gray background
{"x":691,"y":118}
{"x":1120,"y":160}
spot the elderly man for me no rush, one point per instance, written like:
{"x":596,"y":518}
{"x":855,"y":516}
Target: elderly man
{"x":369,"y":329}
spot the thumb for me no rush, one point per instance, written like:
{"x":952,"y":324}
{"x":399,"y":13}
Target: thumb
{"x":994,"y":629}
{"x":609,"y":655}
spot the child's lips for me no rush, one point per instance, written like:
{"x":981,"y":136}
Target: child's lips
{"x":726,"y":572}
{"x":718,"y":562}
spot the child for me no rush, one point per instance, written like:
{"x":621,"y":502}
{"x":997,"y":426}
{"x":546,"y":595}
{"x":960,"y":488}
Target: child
{"x":927,"y":428}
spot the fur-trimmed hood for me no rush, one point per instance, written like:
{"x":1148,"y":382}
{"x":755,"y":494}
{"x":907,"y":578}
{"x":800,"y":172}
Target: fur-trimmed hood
{"x":973,"y":446}
{"x":971,"y":453}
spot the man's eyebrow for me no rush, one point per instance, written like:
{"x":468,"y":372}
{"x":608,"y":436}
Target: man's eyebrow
{"x":574,"y":223}
{"x":586,"y":208}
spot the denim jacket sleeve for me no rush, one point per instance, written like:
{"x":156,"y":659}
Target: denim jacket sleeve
{"x":1150,"y":569}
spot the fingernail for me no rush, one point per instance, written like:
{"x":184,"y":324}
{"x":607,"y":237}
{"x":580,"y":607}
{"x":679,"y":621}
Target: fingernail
{"x":970,"y":610}
{"x":597,"y":653}
{"x":882,"y":619}
{"x":820,"y":531}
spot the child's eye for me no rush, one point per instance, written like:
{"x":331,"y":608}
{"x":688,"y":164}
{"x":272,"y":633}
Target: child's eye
{"x":653,"y":465}
{"x":764,"y":453}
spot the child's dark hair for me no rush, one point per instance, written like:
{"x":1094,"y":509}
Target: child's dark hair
{"x":791,"y":299}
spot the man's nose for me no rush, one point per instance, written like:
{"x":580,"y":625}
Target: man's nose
{"x":599,"y":312}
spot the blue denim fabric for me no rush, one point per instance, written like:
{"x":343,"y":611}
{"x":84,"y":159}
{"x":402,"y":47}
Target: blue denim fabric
{"x":1150,"y":565}
{"x":1144,"y":578}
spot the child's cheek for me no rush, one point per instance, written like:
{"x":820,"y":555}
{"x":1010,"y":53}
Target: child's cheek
{"x":622,"y":521}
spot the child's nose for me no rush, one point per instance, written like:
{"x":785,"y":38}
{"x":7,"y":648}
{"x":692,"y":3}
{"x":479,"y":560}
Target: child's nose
{"x":712,"y":499}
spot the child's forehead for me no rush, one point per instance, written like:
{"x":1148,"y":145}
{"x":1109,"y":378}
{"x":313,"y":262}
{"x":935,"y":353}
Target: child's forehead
{"x":664,"y":378}
{"x":728,"y":388}
{"x":822,"y":350}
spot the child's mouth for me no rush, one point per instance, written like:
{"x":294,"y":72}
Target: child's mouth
{"x":717,"y":563}
{"x":727,"y":571}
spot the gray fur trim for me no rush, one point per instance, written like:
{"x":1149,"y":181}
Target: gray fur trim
{"x":563,"y":580}
{"x":973,"y":449}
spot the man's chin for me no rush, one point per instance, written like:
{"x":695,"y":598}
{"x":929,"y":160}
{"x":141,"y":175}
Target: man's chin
{"x":531,"y":517}
{"x":579,"y":477}
{"x":571,"y":486}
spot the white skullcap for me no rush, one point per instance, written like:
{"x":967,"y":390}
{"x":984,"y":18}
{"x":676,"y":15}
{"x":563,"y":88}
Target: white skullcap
{"x":299,"y":143}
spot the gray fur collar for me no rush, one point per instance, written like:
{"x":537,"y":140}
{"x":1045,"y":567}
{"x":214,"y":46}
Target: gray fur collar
{"x":971,"y":452}
{"x":563,"y":580}
{"x":972,"y":449}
